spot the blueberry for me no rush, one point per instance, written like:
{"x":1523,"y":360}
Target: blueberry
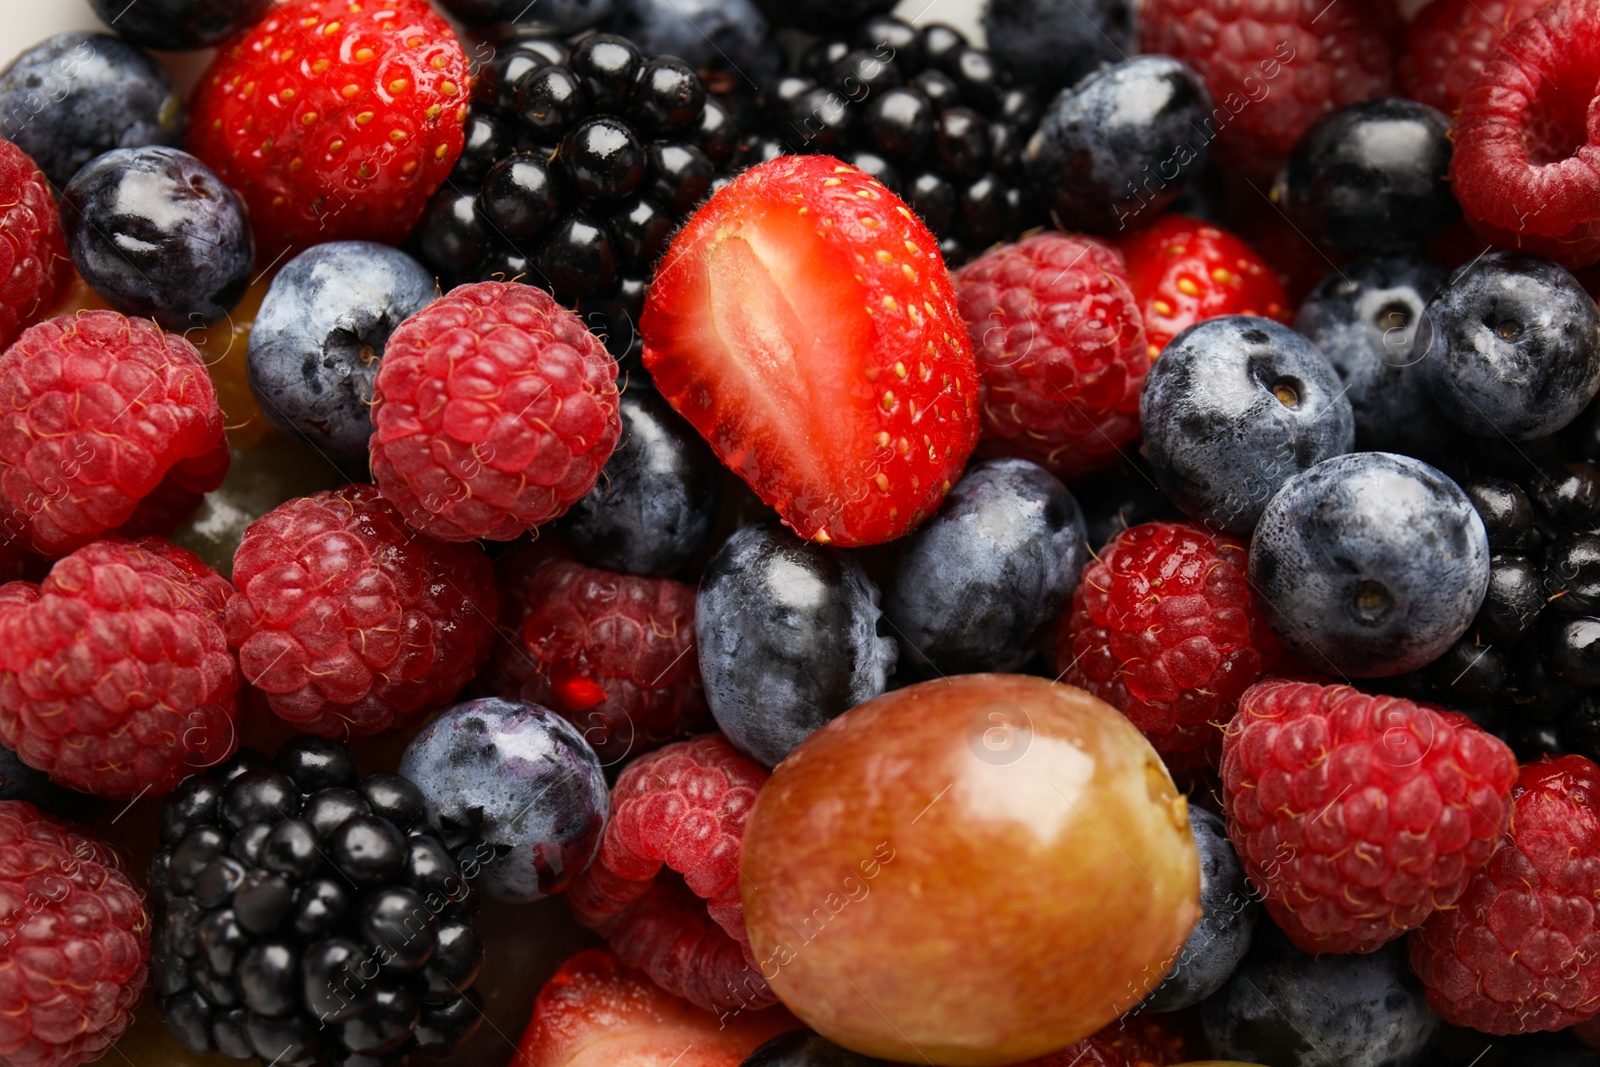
{"x":788,"y":638}
{"x":983,"y":578}
{"x":1511,"y":346}
{"x":726,"y":34}
{"x":521,"y":780}
{"x":1120,"y":143}
{"x":1371,"y":177}
{"x":318,"y":338}
{"x":1364,"y":319}
{"x":1229,"y":910}
{"x":1291,"y":1009}
{"x":76,"y":95}
{"x":807,"y":1048}
{"x":558,"y":17}
{"x":1370,"y":564}
{"x":1232,"y":409}
{"x":651,"y":510}
{"x":157,"y":235}
{"x":1052,"y":43}
{"x":180,"y":25}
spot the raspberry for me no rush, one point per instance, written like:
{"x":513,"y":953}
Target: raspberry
{"x":1520,"y":951}
{"x":1527,"y":144}
{"x":1185,"y":271}
{"x":495,"y":410}
{"x":1141,"y":1039}
{"x":1359,"y":816}
{"x":615,"y":655}
{"x":510,"y":672}
{"x":34,"y":267}
{"x":110,"y":424}
{"x":1449,"y":41}
{"x":115,"y":676}
{"x":1273,"y":66}
{"x":1163,"y":627}
{"x":1061,"y":350}
{"x":334,"y":122}
{"x":74,"y":944}
{"x":349,"y":622}
{"x":683,"y":807}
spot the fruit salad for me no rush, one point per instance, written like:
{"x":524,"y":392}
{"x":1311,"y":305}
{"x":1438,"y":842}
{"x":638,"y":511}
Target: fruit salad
{"x":800,"y":533}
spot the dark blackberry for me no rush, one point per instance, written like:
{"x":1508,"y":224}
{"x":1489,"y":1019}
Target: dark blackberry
{"x":933,"y":118}
{"x":583,"y":158}
{"x":307,"y":916}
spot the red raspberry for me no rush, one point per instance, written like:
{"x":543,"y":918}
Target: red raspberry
{"x":495,"y":410}
{"x":1449,"y":41}
{"x":1273,"y":66}
{"x":682,"y":808}
{"x":334,"y":120}
{"x":74,"y":942}
{"x":511,"y":671}
{"x":1163,"y":628}
{"x":1359,"y":816}
{"x":34,"y":267}
{"x":1185,"y":271}
{"x":110,"y":424}
{"x":1139,"y":1040}
{"x":1520,"y":951}
{"x":615,"y":656}
{"x":1061,"y":350}
{"x":349,"y":621}
{"x":1526,"y":166}
{"x":115,"y":676}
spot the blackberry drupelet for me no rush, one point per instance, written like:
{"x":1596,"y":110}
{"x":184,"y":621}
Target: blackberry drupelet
{"x":934,"y":118}
{"x":582,"y":159}
{"x":308,"y":916}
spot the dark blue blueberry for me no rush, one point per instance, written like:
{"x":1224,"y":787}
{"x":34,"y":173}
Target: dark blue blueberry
{"x":18,"y":781}
{"x":521,"y":784}
{"x":1232,"y":409}
{"x":1370,"y":564}
{"x":559,"y":18}
{"x":651,"y":510}
{"x":318,"y":338}
{"x":76,"y":95}
{"x":990,"y":572}
{"x":807,"y":1048}
{"x":1291,"y":1009}
{"x":157,"y":235}
{"x":1120,"y":143}
{"x":180,"y":25}
{"x":1050,"y":44}
{"x":1372,"y":177}
{"x":722,"y":34}
{"x":1364,"y":319}
{"x":788,"y":638}
{"x":1229,"y":910}
{"x":1511,"y":346}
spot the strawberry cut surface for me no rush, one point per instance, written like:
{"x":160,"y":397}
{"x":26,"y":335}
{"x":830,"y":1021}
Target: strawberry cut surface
{"x":805,"y":324}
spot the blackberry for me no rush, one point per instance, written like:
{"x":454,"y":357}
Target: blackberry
{"x":934,"y":118}
{"x":308,"y":916}
{"x":582,"y":159}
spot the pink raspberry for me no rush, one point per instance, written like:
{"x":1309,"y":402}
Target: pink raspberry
{"x":349,"y":621}
{"x":115,"y":676}
{"x":495,"y":410}
{"x":109,"y":425}
{"x":34,"y":267}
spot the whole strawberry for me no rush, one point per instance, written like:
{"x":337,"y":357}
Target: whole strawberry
{"x":115,"y":676}
{"x":1061,"y":350}
{"x":495,"y":410}
{"x":109,"y":424}
{"x":74,"y":944}
{"x":1520,"y":951}
{"x":805,"y":324}
{"x":1163,"y":628}
{"x":34,"y":267}
{"x":334,"y":120}
{"x":348,"y":621}
{"x":1359,"y":816}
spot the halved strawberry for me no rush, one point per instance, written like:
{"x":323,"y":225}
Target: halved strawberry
{"x":805,"y":323}
{"x":594,"y":1012}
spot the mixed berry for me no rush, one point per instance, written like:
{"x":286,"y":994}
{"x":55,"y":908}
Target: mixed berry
{"x":835,"y":542}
